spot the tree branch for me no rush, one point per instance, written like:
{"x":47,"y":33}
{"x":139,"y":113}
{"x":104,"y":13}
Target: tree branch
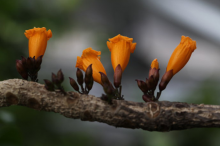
{"x":152,"y":116}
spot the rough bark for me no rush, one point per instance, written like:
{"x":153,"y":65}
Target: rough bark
{"x":151,"y":116}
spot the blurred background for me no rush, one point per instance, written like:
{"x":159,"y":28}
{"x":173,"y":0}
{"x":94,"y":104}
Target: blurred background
{"x":156,"y":26}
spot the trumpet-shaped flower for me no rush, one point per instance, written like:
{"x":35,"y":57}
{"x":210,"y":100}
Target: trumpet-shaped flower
{"x":178,"y":60}
{"x":120,"y":47}
{"x":181,"y":54}
{"x":38,"y":38}
{"x":88,"y":57}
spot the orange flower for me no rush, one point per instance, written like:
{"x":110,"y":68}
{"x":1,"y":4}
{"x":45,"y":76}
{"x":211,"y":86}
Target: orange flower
{"x":120,"y":47}
{"x":38,"y":38}
{"x":181,"y":54}
{"x":88,"y":57}
{"x":155,"y":64}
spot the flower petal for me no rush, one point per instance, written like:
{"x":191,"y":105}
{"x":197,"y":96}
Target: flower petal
{"x":155,"y":64}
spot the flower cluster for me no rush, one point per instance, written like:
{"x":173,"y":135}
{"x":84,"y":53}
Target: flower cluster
{"x":120,"y":47}
{"x":177,"y":61}
{"x":88,"y":80}
{"x":150,"y":85}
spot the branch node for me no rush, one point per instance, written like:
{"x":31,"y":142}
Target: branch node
{"x":33,"y":103}
{"x":11,"y":98}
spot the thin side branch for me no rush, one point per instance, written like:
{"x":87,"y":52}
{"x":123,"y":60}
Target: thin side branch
{"x":152,"y":116}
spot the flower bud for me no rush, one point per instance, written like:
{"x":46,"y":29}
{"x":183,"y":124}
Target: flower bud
{"x":24,"y":61}
{"x":54,"y":79}
{"x":108,"y":90}
{"x":32,"y":60}
{"x":142,"y":85}
{"x":165,"y":80}
{"x":90,"y":84}
{"x":19,"y":66}
{"x":153,"y":75}
{"x":146,"y":98}
{"x":60,"y":76}
{"x":79,"y":76}
{"x":150,"y":83}
{"x":21,"y":69}
{"x":88,"y":74}
{"x":154,"y":70}
{"x":28,"y":63}
{"x":24,"y":75}
{"x":38,"y":61}
{"x":88,"y":77}
{"x":89,"y":71}
{"x":106,"y":84}
{"x":74,"y":84}
{"x":49,"y":85}
{"x":104,"y":78}
{"x":117,"y":76}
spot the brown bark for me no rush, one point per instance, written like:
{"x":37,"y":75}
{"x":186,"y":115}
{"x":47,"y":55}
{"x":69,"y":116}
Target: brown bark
{"x":152,"y":116}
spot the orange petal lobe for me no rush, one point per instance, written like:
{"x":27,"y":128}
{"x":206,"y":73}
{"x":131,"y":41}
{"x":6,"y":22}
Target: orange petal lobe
{"x":155,"y":64}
